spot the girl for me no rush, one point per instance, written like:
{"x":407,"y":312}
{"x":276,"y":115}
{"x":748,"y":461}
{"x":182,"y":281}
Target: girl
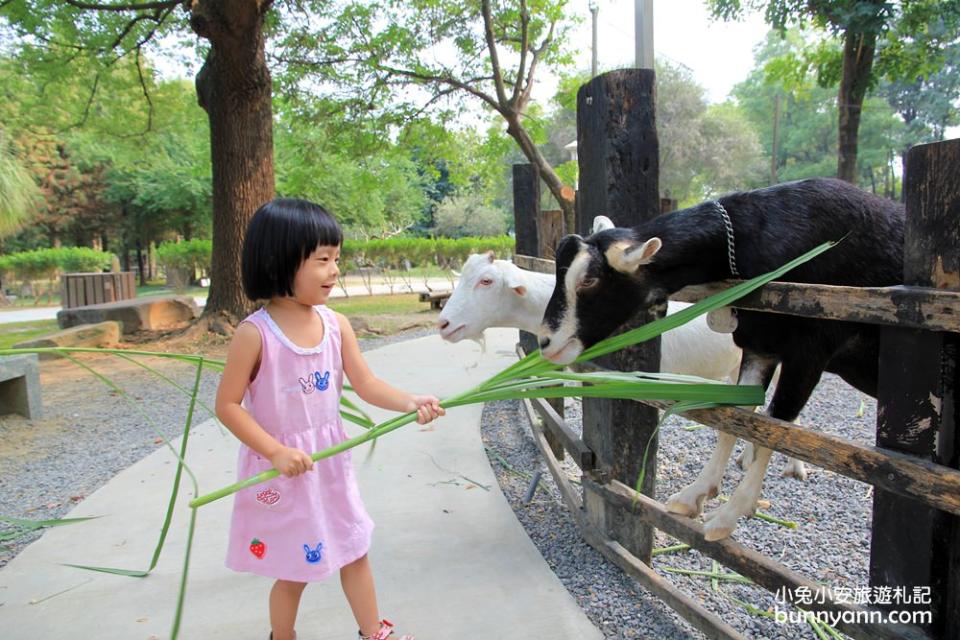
{"x":280,"y":395}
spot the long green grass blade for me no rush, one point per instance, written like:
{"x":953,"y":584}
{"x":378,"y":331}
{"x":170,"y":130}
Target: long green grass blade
{"x":41,"y":524}
{"x":683,"y":316}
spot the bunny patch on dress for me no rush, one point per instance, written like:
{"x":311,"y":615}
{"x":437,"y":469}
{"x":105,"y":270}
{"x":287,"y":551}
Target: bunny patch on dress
{"x":315,"y":381}
{"x":313,"y":555}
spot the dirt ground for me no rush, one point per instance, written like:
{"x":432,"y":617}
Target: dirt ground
{"x":68,"y":389}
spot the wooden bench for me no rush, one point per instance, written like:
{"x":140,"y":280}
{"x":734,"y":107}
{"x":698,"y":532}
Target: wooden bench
{"x":20,"y":385}
{"x":436,"y":298}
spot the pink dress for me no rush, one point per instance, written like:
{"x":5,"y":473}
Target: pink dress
{"x":305,"y":528}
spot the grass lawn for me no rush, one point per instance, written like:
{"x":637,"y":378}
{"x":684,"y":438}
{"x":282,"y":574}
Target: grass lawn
{"x":398,"y":304}
{"x":15,"y":332}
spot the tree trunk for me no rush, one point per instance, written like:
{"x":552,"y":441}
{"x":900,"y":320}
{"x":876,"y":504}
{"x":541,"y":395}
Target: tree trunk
{"x":858,"y":52}
{"x":234,"y":89}
{"x":562,"y":193}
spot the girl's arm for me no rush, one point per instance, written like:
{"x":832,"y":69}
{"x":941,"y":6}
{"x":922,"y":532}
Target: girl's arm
{"x":242,"y":357}
{"x":374,"y":390}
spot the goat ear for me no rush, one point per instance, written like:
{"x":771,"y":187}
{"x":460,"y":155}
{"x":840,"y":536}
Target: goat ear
{"x":627,"y":257}
{"x":602,"y":223}
{"x":513,"y":279}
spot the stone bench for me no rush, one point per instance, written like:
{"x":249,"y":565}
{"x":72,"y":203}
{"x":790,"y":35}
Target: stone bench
{"x":139,"y":314}
{"x":20,"y":385}
{"x":102,"y":334}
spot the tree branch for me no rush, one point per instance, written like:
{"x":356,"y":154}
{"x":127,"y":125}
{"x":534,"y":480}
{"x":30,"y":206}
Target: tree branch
{"x":533,"y":65}
{"x":494,"y":58}
{"x":146,"y":6}
{"x":524,"y":35}
{"x":459,"y":84}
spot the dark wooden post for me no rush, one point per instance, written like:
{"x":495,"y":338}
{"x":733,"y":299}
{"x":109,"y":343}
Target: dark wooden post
{"x":550,"y":229}
{"x":526,"y":208}
{"x":529,"y":242}
{"x":914,"y":545}
{"x":619,"y":177}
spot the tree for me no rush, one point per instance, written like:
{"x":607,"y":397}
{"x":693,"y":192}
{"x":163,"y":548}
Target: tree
{"x":17,"y":190}
{"x":704,"y":150}
{"x":495,"y":51}
{"x":796,"y":120}
{"x":468,"y":215}
{"x":233,"y":87}
{"x":860,"y":25}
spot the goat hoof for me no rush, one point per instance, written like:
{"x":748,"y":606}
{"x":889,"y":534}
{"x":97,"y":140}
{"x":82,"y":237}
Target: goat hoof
{"x":719,"y":524}
{"x":678,"y":506}
{"x":795,"y":469}
{"x":714,"y":533}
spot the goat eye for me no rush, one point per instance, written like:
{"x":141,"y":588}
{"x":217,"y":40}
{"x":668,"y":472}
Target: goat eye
{"x":486,"y":282}
{"x":587,"y":283}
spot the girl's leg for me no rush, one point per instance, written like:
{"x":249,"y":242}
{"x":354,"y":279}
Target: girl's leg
{"x":284,"y":602}
{"x":356,"y":579}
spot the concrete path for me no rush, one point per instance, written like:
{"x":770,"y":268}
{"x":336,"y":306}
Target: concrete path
{"x":450,"y":559}
{"x":50,"y":313}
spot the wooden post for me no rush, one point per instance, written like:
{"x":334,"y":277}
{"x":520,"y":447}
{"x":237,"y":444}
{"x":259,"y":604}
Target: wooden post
{"x":914,"y":545}
{"x":667,"y":205}
{"x":618,"y":152}
{"x":549,"y":232}
{"x":526,"y":219}
{"x":526,"y":207}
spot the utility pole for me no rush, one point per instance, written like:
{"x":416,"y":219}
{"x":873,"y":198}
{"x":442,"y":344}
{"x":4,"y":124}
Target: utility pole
{"x":593,"y":11}
{"x":643,"y":13}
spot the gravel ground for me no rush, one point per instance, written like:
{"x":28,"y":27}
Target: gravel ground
{"x":90,"y":433}
{"x":831,"y":543}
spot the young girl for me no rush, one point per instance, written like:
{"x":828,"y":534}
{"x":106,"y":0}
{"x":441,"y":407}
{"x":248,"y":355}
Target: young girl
{"x":280,"y":395}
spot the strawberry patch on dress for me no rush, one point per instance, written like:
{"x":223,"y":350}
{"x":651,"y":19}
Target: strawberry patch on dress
{"x":258,"y":548}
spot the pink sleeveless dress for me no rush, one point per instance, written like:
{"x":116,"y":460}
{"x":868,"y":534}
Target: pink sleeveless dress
{"x":305,"y":528}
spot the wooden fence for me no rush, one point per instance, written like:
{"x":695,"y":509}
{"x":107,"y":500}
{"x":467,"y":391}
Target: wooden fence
{"x":915,"y":539}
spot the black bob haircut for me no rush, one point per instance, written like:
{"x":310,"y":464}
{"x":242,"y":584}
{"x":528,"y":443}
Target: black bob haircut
{"x":280,"y":236}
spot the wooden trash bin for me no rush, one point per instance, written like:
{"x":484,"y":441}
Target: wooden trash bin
{"x":83,"y":289}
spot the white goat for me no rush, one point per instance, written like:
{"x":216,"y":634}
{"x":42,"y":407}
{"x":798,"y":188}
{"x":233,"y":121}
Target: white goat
{"x":498,"y":293}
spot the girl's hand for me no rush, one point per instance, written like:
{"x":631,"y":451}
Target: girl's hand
{"x":428,"y":408}
{"x":291,"y":462}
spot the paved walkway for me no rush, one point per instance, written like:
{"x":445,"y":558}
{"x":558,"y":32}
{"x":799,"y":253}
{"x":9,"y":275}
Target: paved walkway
{"x":450,"y":558}
{"x":50,"y":313}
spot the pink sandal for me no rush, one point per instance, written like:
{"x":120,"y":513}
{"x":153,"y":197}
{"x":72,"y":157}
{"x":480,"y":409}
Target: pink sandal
{"x":386,"y":630}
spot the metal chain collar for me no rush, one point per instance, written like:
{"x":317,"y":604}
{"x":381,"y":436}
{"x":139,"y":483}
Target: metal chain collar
{"x":731,"y":244}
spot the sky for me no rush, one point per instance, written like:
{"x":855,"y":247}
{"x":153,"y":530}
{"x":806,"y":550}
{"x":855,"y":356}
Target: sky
{"x":719,"y":54}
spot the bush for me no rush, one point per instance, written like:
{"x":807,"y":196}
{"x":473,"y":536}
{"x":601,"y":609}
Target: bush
{"x":184,"y":260}
{"x":47,"y":264}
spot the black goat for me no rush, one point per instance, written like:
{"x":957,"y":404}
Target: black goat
{"x":603,"y":280}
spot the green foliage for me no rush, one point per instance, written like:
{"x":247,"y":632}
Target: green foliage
{"x":704,"y":151}
{"x":48,"y":263}
{"x":445,"y":252}
{"x":807,"y":133}
{"x":190,"y":255}
{"x":468,"y":215}
{"x":17,"y":190}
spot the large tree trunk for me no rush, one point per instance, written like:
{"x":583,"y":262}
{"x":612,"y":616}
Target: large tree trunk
{"x":234,"y":88}
{"x":858,"y":52}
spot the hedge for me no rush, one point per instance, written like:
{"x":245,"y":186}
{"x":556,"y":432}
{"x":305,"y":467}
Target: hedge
{"x":46,"y":264}
{"x":387,"y":254}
